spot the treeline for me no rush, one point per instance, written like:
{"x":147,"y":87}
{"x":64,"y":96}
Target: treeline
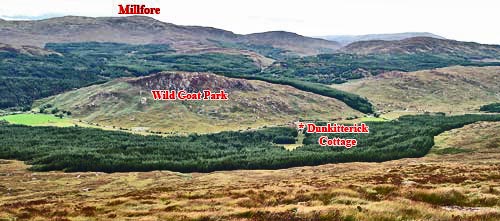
{"x":86,"y":149}
{"x":492,"y":108}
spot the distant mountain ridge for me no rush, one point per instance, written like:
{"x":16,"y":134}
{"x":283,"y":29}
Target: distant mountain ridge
{"x":415,"y":45}
{"x":198,"y":39}
{"x":347,"y":39}
{"x":146,"y":30}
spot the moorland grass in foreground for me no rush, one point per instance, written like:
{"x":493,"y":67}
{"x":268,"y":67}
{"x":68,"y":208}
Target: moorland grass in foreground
{"x":450,"y":187}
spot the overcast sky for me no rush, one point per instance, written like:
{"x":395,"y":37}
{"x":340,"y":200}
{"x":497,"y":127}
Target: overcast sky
{"x":476,"y":20}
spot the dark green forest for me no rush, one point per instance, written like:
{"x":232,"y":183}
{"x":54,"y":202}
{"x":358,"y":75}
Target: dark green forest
{"x":24,"y":78}
{"x":492,"y":108}
{"x":87,"y":149}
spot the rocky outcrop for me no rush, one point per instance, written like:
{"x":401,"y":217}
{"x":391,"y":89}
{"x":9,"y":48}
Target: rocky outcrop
{"x":191,"y":82}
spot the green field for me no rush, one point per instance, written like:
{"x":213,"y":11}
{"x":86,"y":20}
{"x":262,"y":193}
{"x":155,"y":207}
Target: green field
{"x":372,"y":119}
{"x":37,"y":120}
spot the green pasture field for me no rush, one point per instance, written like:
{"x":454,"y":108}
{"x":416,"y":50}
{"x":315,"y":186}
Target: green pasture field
{"x":37,"y":120}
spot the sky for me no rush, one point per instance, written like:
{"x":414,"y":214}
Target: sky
{"x":462,"y":20}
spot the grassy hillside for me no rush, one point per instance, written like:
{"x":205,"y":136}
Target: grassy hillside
{"x":128,"y":103}
{"x":451,"y":90}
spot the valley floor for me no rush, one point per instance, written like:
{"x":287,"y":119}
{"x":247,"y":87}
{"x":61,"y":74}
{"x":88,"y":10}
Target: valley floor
{"x":458,"y":180}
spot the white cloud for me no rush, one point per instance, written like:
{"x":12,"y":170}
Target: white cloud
{"x":457,"y":19}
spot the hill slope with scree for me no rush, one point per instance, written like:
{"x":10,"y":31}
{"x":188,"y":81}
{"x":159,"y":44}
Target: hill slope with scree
{"x":128,"y":103}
